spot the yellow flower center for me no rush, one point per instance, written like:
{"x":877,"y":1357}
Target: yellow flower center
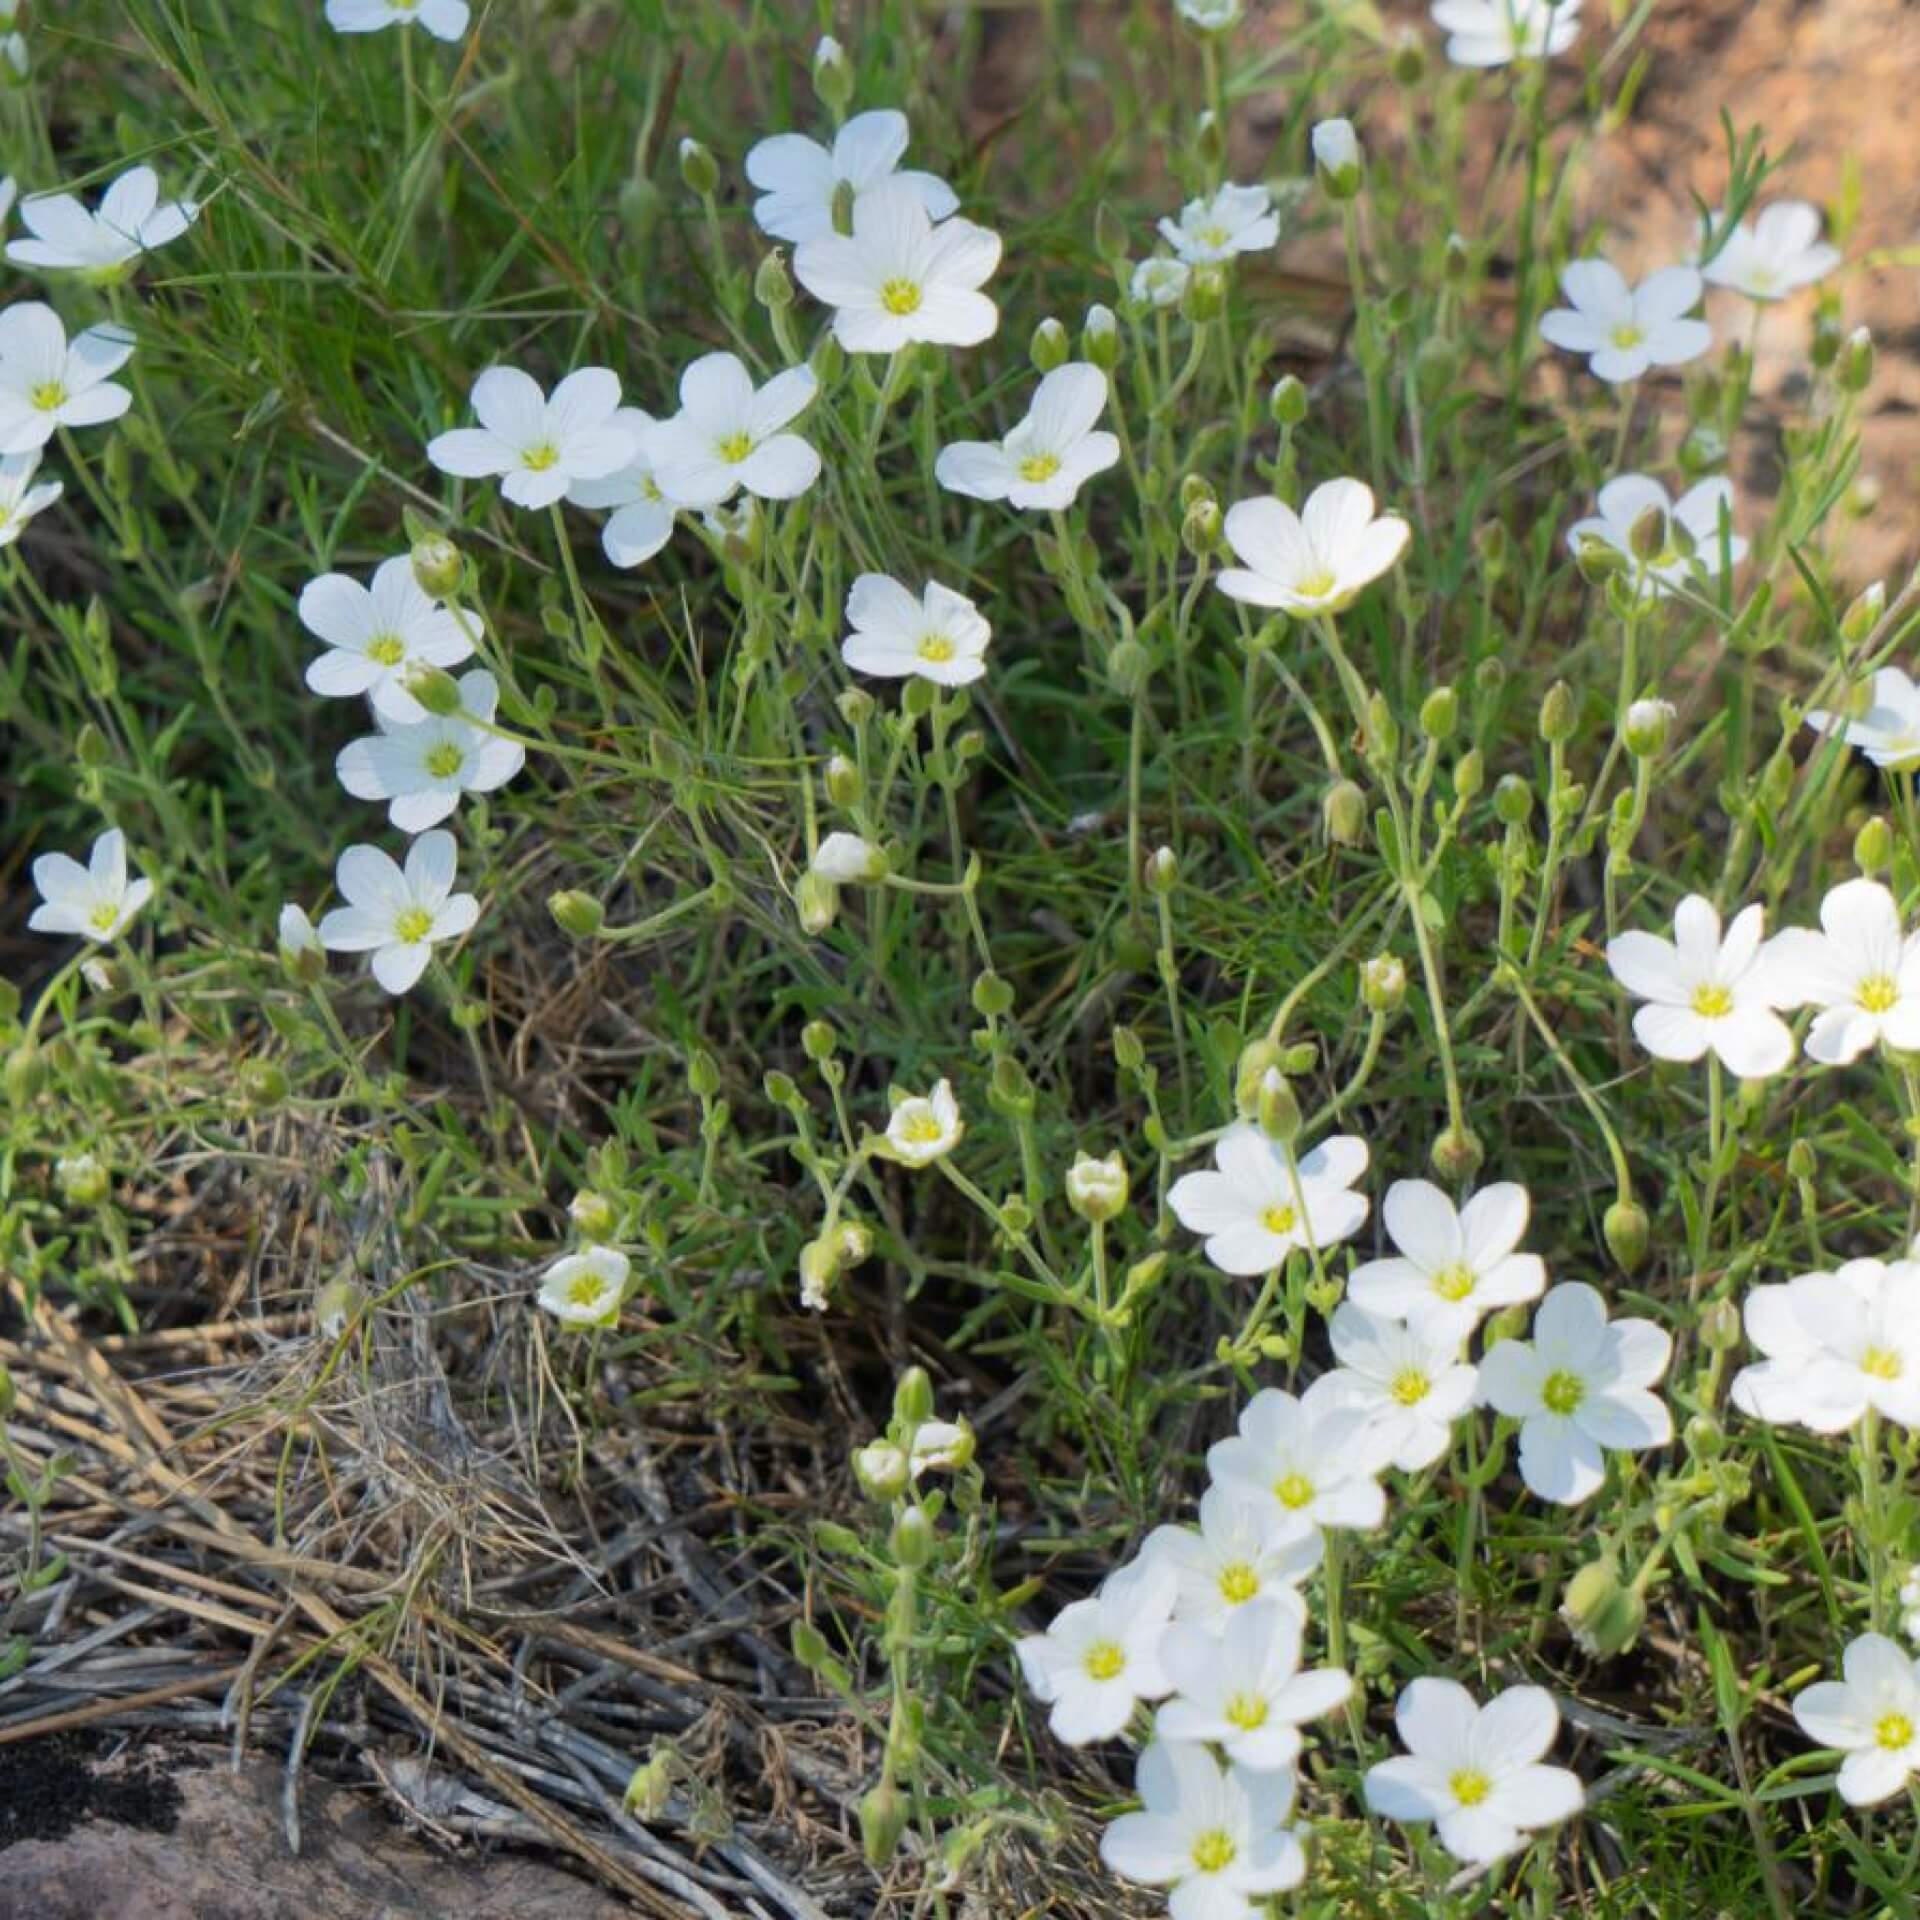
{"x":443,"y":760}
{"x":1316,"y":585}
{"x":1213,"y":236}
{"x":1279,"y":1219}
{"x":1893,"y":1731}
{"x":735,"y":447}
{"x":1039,"y":466}
{"x":1293,"y":1490}
{"x":1877,"y":992}
{"x":1470,"y":1786}
{"x":1562,"y":1392}
{"x":1411,"y":1387}
{"x":936,"y":646}
{"x":1454,"y":1282}
{"x":1238,"y":1583}
{"x":1627,"y":336}
{"x":922,"y":1129}
{"x":1762,"y":277}
{"x":585,"y":1289}
{"x":413,"y":926}
{"x":1247,"y":1711}
{"x":1214,"y":1851}
{"x":104,"y":917}
{"x":1881,"y":1363}
{"x":1104,"y":1659}
{"x":1712,"y":1002}
{"x":48,"y":395}
{"x":900,"y":296}
{"x":386,"y":649}
{"x":537,"y":459}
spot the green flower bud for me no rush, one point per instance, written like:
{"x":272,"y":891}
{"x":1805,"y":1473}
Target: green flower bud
{"x":1408,"y":60}
{"x":992,"y":996}
{"x":842,"y":782}
{"x":576,"y":913}
{"x":90,"y":746}
{"x":1257,"y":1059}
{"x":1598,"y":560}
{"x":1383,"y":983}
{"x":433,"y":687}
{"x":1557,"y":713}
{"x":1128,"y":1054}
{"x":809,"y":1645}
{"x":1097,"y":1189}
{"x":1457,"y":261}
{"x":772,"y":283}
{"x":1009,"y":1089}
{"x":703,"y":1074}
{"x":1648,"y":724}
{"x":1343,"y":811}
{"x":912,"y":1540}
{"x":1049,"y":347}
{"x":1856,"y":362}
{"x":1802,"y":1162}
{"x":1338,"y":159}
{"x":913,"y":1398}
{"x":818,"y":1041}
{"x":1383,"y":730}
{"x":819,"y":1269}
{"x":437,"y":566}
{"x":1469,"y":774}
{"x":1288,"y":402}
{"x":832,"y":76}
{"x":1129,"y":666}
{"x":1302,"y":1057}
{"x":1457,"y":1154}
{"x":25,"y":1076}
{"x":1278,"y":1110}
{"x":1493,"y":546}
{"x":594,"y":1216}
{"x":1720,"y":1326}
{"x":698,"y":168}
{"x":1603,"y":1612}
{"x":82,"y":1179}
{"x":884,"y":1813}
{"x":1200,"y":528}
{"x":264,"y":1083}
{"x":1206,"y":293}
{"x":1705,"y":1437}
{"x":1439,"y":713}
{"x":1863,"y":613}
{"x":818,"y":901}
{"x":1100,"y":338}
{"x":1210,"y":141}
{"x":1161,"y":871}
{"x":1627,"y":1232}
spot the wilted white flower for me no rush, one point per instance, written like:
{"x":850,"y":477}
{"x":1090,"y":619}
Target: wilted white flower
{"x":1097,"y":1187}
{"x":1463,"y":1263}
{"x":799,"y":179}
{"x":398,"y":915}
{"x":1872,"y":1716}
{"x":727,"y":436}
{"x":1229,"y":221}
{"x":585,"y":1289}
{"x":1160,"y":282}
{"x":925,"y":1128}
{"x":1836,"y":1345}
{"x":377,"y":635}
{"x":538,"y":446}
{"x":444,"y":19}
{"x":1316,"y":561}
{"x":20,"y":499}
{"x":97,"y":900}
{"x":942,"y":636}
{"x":47,"y":382}
{"x":1494,"y":33}
{"x":1261,"y":1203}
{"x":1687,"y":550}
{"x":423,"y":766}
{"x":128,"y":222}
{"x":1778,"y":254}
{"x":1625,"y":330}
{"x":1045,"y":460}
{"x":641,"y":522}
{"x":1888,"y":732}
{"x":848,"y":860}
{"x":1101,"y":1656}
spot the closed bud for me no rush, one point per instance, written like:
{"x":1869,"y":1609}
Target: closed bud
{"x":1257,"y":1059}
{"x":856,"y":707}
{"x":1705,"y":1437}
{"x":1100,"y":338}
{"x":913,"y":1398}
{"x":1457,"y":261}
{"x":1128,"y":667}
{"x":819,"y":1269}
{"x":1210,"y":141}
{"x":832,"y":76}
{"x":25,"y":1076}
{"x":1439,"y":713}
{"x":1278,"y":1110}
{"x":1863,"y":613}
{"x":772,"y":283}
{"x":1408,"y":61}
{"x":1598,"y":560}
{"x":1457,"y":1154}
{"x":703,"y":1074}
{"x":883,"y":1819}
{"x":594,"y":1216}
{"x":1856,"y":361}
{"x":842,"y":782}
{"x":1493,"y":546}
{"x":992,"y":996}
{"x":1206,"y":293}
{"x":264,"y":1083}
{"x":1703,"y":451}
{"x":434,"y":687}
{"x":1343,"y":809}
{"x":1557,"y":713}
{"x":1162,"y":870}
{"x":90,"y":746}
{"x":698,"y":168}
{"x":437,"y":566}
{"x":1128,"y":1053}
{"x":809,"y":1645}
{"x":1302,"y":1057}
{"x":1049,"y":346}
{"x":1627,"y":1232}
{"x":1009,"y":1088}
{"x":1337,"y":159}
{"x":1287,"y":403}
{"x":1194,"y":488}
{"x":818,"y":1040}
{"x":1469,"y":774}
{"x":1719,"y":1326}
{"x":1200,"y":528}
{"x":1603,"y":1613}
{"x":1383,"y":983}
{"x":1648,"y":724}
{"x":576,"y":913}
{"x":1097,"y":1189}
{"x":1383,"y":730}
{"x":1512,"y":800}
{"x":818,"y":901}
{"x":82,"y":1179}
{"x":912,"y":1539}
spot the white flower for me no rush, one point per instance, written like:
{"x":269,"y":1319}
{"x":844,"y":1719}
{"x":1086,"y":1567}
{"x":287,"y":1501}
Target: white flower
{"x":97,"y":900}
{"x":1210,"y":16}
{"x":1464,"y":1263}
{"x":1218,"y":1836}
{"x":377,"y":635}
{"x":1475,"y":1771}
{"x":925,"y":1128}
{"x":1262,"y":1203}
{"x":898,"y":278}
{"x":1705,"y":992}
{"x":1492,"y":33}
{"x":1836,"y":1344}
{"x":1336,"y":152}
{"x":539,"y":446}
{"x":1096,"y":1186}
{"x":1406,"y":1376}
{"x":642,"y":519}
{"x":847,"y":860}
{"x":20,"y":499}
{"x":799,"y":179}
{"x":1233,"y":220}
{"x":1316,"y":561}
{"x":1581,"y":1385}
{"x":1045,"y":460}
{"x":1872,"y":1716}
{"x":1689,"y":548}
{"x":13,"y":50}
{"x":296,"y":932}
{"x":1101,"y":1656}
{"x":1160,"y":282}
{"x":1888,"y":733}
{"x":1247,"y":1548}
{"x":398,"y":916}
{"x":941,"y":637}
{"x":1243,"y":1689}
{"x":1778,"y":254}
{"x":727,"y":437}
{"x":424,"y":766}
{"x":584,"y":1289}
{"x":128,"y":222}
{"x":1861,"y":971}
{"x":444,"y":19}
{"x":1625,"y":330}
{"x":1318,"y":1458}
{"x":47,"y":382}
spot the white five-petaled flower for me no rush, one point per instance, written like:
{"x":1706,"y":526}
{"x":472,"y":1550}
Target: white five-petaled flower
{"x":1231,"y":220}
{"x":1475,"y":1771}
{"x":1407,"y":1376}
{"x":1836,"y":1345}
{"x":128,"y":222}
{"x":1243,"y":1689}
{"x":1463,"y":1263}
{"x":1689,"y":528}
{"x":799,"y":179}
{"x":585,"y":1289}
{"x":1582,"y":1386}
{"x":538,"y":446}
{"x":444,"y":19}
{"x":1315,"y":561}
{"x":376,"y":635}
{"x":942,"y":636}
{"x":1861,"y":970}
{"x":48,"y":382}
{"x":97,"y":900}
{"x":1888,"y":732}
{"x":1049,"y":456}
{"x":1778,"y":254}
{"x":641,"y":522}
{"x":898,"y":278}
{"x":1705,"y":992}
{"x":1210,"y":16}
{"x":423,"y":766}
{"x":1261,"y":1202}
{"x":20,"y":499}
{"x":925,"y":1128}
{"x":1872,"y":1717}
{"x":727,"y":436}
{"x":1318,"y":1458}
{"x":398,"y":915}
{"x":1101,"y":1656}
{"x":1494,"y":33}
{"x":1160,"y":282}
{"x":1247,"y":1548}
{"x":1216,"y":1835}
{"x":848,"y":861}
{"x":1625,"y":330}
